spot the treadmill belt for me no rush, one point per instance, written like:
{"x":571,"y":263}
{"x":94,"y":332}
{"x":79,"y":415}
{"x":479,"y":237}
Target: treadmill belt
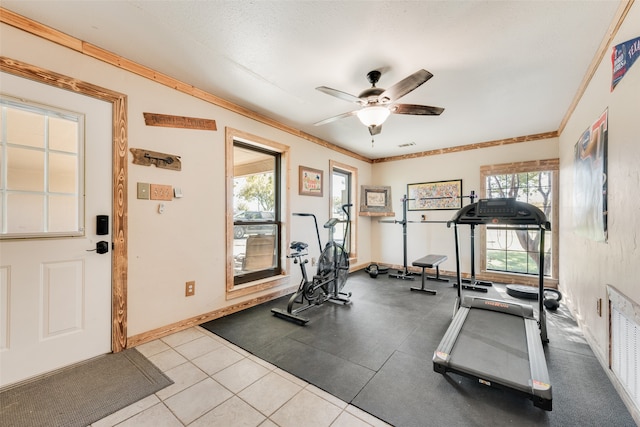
{"x":493,"y":346}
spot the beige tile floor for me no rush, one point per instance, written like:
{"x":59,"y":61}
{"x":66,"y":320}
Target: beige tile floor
{"x":219,"y":384}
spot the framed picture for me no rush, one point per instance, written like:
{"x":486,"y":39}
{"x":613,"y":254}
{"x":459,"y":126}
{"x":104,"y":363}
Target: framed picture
{"x":310,"y":182}
{"x":375,"y":201}
{"x":439,"y":195}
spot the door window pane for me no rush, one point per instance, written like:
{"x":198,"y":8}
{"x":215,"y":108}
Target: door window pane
{"x":63,"y":173}
{"x":41,"y":159}
{"x":25,"y":169}
{"x":63,"y":213}
{"x":27,"y":213}
{"x":25,"y":127}
{"x":63,"y":134}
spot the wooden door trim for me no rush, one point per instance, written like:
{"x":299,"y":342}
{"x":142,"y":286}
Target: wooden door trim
{"x":119,"y":252}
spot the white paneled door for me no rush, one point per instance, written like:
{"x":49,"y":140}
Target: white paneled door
{"x":55,"y":288}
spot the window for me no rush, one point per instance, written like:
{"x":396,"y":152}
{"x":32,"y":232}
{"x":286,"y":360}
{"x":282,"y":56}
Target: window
{"x":342,"y":191}
{"x":256,"y":225}
{"x":255,"y":208}
{"x":510,"y":249}
{"x":40,"y":171}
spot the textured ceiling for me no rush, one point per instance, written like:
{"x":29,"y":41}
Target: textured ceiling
{"x":501,"y":69}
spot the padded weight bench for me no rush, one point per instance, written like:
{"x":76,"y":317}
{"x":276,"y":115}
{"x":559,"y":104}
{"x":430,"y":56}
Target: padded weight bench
{"x":430,"y":261}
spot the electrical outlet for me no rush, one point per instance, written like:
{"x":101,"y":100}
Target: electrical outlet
{"x":190,"y":288}
{"x":599,"y":307}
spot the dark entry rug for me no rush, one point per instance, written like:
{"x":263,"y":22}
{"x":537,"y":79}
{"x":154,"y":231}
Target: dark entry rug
{"x":377,"y":355}
{"x":82,"y":394}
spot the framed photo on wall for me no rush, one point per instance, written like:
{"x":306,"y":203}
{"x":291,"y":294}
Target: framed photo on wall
{"x":310,"y":181}
{"x":438,"y":195}
{"x":375,"y":201}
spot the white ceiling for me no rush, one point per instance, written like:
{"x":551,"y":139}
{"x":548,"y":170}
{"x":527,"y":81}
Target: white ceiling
{"x":501,"y":69}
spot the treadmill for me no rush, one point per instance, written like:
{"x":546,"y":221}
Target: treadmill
{"x":499,"y":343}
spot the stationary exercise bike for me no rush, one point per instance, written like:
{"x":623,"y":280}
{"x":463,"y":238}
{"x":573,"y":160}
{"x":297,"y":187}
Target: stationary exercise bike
{"x":327,"y":284}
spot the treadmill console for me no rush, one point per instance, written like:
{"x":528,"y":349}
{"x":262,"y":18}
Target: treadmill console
{"x":501,"y":211}
{"x":497,"y":207}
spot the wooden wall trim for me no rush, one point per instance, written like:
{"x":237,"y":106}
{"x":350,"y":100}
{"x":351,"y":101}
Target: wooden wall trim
{"x":103,"y":55}
{"x":45,"y":32}
{"x":120,"y":177}
{"x":37,"y":29}
{"x":458,"y":148}
{"x":603,"y":49}
{"x":154,"y":334}
{"x":527,"y":166}
{"x":120,"y":252}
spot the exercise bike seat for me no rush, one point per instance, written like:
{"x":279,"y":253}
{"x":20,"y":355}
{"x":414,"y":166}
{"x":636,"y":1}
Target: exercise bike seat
{"x":298,"y":246}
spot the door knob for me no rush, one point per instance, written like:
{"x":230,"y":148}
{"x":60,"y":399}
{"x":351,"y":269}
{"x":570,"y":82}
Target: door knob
{"x":102,"y":247}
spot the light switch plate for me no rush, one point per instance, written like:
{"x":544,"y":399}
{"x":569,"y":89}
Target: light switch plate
{"x":161,"y":192}
{"x":143,"y":190}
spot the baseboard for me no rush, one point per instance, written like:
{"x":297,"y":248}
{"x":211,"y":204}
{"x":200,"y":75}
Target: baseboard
{"x":136,"y":340}
{"x":604,"y":363}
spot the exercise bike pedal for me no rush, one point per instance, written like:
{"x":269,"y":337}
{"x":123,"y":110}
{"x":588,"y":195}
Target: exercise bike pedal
{"x":341,"y":298}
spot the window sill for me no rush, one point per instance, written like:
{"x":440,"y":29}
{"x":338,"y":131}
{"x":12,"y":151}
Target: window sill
{"x":515,"y":278}
{"x":257,"y":286}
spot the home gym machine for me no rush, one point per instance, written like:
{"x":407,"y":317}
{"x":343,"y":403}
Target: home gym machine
{"x":333,"y":270}
{"x":405,"y":274}
{"x":499,"y":343}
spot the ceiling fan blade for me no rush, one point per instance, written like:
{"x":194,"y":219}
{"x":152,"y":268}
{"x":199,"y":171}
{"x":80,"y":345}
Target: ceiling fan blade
{"x":334,"y":118}
{"x":339,"y":94}
{"x":405,"y":86}
{"x":417,"y":110}
{"x":375,"y":130}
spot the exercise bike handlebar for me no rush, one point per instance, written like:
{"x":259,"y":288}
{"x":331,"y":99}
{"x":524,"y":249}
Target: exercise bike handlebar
{"x":329,"y":224}
{"x":314,"y":220}
{"x":298,"y":254}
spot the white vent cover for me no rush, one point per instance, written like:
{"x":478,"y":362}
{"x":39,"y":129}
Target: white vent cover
{"x":625,"y":347}
{"x":408,"y":144}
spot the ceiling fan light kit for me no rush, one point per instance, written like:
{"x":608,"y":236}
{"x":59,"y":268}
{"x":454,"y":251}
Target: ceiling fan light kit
{"x":373,"y":116}
{"x":377,"y":103}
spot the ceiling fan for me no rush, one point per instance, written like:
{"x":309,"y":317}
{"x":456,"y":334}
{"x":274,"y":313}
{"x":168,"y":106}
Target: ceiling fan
{"x":378,"y":103}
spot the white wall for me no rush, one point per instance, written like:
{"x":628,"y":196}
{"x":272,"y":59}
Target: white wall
{"x":187,"y":241}
{"x":424,"y":239}
{"x":587,"y":267}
